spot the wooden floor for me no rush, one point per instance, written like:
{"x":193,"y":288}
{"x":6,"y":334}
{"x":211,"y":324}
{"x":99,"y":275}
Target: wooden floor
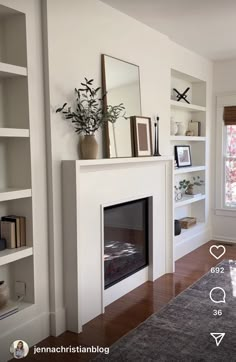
{"x":129,"y":311}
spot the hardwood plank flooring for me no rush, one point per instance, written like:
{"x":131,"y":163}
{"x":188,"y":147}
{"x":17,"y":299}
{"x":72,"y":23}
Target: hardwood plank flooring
{"x":129,"y":311}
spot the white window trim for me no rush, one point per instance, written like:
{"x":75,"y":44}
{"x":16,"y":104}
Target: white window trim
{"x":221,"y":102}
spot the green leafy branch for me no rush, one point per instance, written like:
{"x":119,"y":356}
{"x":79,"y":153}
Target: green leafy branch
{"x":90,"y":112}
{"x":184,"y":185}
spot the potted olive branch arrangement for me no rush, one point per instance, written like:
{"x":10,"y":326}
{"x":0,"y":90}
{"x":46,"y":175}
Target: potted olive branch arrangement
{"x":187,"y":187}
{"x":196,"y":181}
{"x":89,"y":114}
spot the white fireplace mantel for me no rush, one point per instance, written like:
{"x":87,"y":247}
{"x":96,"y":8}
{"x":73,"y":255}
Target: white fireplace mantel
{"x":122,"y":160}
{"x":89,"y":186}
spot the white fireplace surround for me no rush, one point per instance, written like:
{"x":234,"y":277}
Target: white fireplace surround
{"x":88,"y":187}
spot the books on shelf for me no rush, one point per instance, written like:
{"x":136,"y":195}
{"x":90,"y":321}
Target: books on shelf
{"x":8,"y":233}
{"x":13,"y":230}
{"x":16,"y":222}
{"x":195,"y":127}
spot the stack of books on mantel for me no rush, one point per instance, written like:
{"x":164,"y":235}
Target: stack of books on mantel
{"x":13,"y":230}
{"x":10,"y":308}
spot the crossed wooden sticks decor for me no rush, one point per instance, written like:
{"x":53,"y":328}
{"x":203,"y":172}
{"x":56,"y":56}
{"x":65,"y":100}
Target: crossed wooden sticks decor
{"x":182,"y":95}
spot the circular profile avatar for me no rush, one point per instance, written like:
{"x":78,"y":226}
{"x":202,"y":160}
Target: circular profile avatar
{"x":19,"y":349}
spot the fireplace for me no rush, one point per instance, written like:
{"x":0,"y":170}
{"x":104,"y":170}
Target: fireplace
{"x":84,"y":207}
{"x":125,"y":240}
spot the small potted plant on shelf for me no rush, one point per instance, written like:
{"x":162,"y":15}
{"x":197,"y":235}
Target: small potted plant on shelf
{"x":181,"y":189}
{"x":89,"y":114}
{"x":191,"y":189}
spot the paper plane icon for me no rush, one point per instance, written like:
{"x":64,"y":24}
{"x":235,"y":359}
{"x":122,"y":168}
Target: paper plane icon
{"x":218,"y":337}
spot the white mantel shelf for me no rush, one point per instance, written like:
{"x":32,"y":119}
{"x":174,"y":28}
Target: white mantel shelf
{"x":123,"y":160}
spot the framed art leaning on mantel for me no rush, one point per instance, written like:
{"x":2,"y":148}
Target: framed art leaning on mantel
{"x":142,"y":136}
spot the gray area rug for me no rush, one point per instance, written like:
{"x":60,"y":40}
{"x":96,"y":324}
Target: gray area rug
{"x":181,"y":330}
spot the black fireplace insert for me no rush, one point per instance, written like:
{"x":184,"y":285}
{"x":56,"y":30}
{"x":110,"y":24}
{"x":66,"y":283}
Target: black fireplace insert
{"x":125,"y":240}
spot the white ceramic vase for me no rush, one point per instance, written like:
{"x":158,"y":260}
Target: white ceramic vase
{"x":181,"y":129}
{"x":173,"y":127}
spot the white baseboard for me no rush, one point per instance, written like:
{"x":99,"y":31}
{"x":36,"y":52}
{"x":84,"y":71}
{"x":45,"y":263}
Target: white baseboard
{"x":58,"y":322}
{"x":31,"y":332}
{"x":223,"y":238}
{"x":189,"y":244}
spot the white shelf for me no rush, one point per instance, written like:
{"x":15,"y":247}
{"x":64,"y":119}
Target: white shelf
{"x":189,"y":233}
{"x":9,"y":70}
{"x":186,"y":106}
{"x":5,"y":11}
{"x":186,"y":200}
{"x":187,"y":138}
{"x":21,"y":306}
{"x":14,"y":132}
{"x":13,"y":194}
{"x":189,"y":169}
{"x":186,"y":77}
{"x":10,"y":255}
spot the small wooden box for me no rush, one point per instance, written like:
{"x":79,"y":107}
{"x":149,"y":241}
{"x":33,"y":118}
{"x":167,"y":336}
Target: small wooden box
{"x":187,"y":222}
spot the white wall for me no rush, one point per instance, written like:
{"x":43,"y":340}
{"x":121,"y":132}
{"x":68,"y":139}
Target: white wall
{"x":78,"y":33}
{"x":224,"y":77}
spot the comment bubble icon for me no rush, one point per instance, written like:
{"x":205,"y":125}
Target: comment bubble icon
{"x":217,"y":295}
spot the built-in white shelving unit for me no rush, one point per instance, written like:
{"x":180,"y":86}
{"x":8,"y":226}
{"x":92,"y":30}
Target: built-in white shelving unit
{"x":14,"y":132}
{"x":10,"y":70}
{"x":14,"y":194}
{"x":195,"y":230}
{"x":187,"y":107}
{"x":23,"y":178}
{"x":182,"y":170}
{"x":11,"y":255}
{"x":187,"y":200}
{"x":187,"y":138}
{"x":183,"y":112}
{"x":15,"y":156}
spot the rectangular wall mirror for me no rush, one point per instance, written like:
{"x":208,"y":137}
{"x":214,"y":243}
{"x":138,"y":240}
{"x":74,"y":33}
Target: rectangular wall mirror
{"x":121,"y":82}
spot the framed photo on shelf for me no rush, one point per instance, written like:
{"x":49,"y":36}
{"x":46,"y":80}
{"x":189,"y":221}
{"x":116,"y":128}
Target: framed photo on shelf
{"x":195,"y":127}
{"x":183,"y":156}
{"x":142,"y":135}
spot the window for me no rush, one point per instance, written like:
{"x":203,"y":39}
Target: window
{"x":225,"y":177}
{"x":230,"y":156}
{"x":230,"y":166}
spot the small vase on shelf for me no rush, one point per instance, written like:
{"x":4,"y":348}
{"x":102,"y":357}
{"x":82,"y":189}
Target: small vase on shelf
{"x":181,"y":129}
{"x":173,"y":127}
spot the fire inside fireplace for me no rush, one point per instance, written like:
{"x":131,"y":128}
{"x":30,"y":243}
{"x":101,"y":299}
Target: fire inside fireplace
{"x":125,"y":240}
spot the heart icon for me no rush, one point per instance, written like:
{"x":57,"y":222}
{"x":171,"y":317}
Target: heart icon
{"x":216,"y":249}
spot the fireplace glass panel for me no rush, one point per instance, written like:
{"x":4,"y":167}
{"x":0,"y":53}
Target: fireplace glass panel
{"x":125,"y":240}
